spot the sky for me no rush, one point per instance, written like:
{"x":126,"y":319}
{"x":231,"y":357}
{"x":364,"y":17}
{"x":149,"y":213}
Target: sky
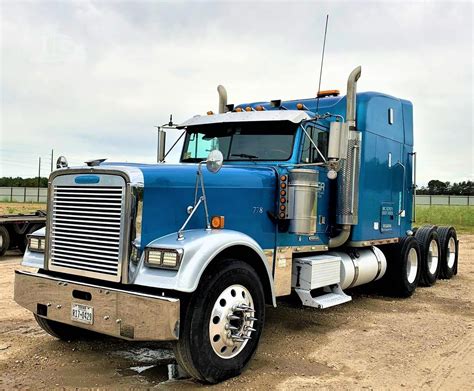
{"x":92,"y":79}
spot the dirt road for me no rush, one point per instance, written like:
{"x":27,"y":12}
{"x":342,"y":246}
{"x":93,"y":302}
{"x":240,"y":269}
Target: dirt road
{"x":425,"y":342}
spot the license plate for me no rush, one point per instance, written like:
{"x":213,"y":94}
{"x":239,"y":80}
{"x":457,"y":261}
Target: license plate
{"x":82,"y":313}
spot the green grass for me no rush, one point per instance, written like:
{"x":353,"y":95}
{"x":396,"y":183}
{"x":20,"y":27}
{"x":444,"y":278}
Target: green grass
{"x":461,"y":217}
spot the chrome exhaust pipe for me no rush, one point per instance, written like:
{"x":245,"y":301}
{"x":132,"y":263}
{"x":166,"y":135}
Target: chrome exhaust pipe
{"x":348,"y":178}
{"x":351,"y":97}
{"x":222,"y":98}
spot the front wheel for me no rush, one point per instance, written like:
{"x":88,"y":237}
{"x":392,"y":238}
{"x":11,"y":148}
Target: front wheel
{"x":223,"y":323}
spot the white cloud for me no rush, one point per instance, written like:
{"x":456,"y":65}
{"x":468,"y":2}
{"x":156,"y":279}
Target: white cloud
{"x":92,"y":79}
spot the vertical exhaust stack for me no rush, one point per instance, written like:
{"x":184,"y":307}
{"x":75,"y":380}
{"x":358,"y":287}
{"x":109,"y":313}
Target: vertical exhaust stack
{"x":348,"y":178}
{"x":222,"y":98}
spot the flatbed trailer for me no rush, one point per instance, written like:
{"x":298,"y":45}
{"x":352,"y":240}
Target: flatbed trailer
{"x":14,"y":229}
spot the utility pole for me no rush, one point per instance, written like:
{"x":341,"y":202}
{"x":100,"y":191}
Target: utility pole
{"x":52,"y":157}
{"x":39,"y":177}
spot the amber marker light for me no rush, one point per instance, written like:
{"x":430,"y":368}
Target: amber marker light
{"x":210,"y":112}
{"x":238,"y":109}
{"x":283,"y":178}
{"x":217,"y":222}
{"x":282,"y":200}
{"x":259,"y":108}
{"x":283,"y":185}
{"x":282,"y":215}
{"x":300,"y":106}
{"x":248,"y":108}
{"x":283,"y":193}
{"x":282,"y":207}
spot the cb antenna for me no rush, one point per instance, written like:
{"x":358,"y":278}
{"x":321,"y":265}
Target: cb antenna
{"x":322,"y":62}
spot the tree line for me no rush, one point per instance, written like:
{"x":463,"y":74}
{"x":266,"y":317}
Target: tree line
{"x":23,"y":182}
{"x":437,"y":187}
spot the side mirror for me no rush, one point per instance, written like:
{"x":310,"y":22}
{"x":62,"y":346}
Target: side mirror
{"x":160,"y":149}
{"x":214,"y":161}
{"x":61,"y":162}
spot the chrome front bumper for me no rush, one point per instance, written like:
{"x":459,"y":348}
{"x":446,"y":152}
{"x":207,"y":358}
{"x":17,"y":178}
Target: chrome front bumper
{"x":119,"y":313}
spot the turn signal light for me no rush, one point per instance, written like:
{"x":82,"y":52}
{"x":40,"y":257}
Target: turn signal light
{"x":283,"y":185}
{"x":217,"y":222}
{"x":283,"y":193}
{"x":282,"y":200}
{"x":283,"y":178}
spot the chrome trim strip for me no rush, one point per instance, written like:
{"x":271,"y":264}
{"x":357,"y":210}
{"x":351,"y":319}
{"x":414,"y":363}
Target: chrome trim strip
{"x":366,"y":243}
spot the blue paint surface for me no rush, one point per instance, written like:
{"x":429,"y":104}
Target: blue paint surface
{"x":87,"y":179}
{"x":247,"y":193}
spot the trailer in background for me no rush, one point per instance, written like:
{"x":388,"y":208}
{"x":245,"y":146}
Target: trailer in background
{"x":15,"y":228}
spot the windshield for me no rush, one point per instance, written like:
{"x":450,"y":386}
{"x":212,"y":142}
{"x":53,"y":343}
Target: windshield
{"x":240,"y":141}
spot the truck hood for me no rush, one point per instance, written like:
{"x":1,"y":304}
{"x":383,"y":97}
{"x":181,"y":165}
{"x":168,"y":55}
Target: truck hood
{"x":244,"y":195}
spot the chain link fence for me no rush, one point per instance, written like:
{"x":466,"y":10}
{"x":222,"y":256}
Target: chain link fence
{"x":23,"y":194}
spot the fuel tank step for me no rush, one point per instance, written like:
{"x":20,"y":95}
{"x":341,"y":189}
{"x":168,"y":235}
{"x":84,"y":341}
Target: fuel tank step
{"x":331,"y":299}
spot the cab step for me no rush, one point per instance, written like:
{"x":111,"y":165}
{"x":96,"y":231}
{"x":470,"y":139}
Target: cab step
{"x":335,"y":297}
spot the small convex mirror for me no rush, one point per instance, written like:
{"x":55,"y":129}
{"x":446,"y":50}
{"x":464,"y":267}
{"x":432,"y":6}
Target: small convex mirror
{"x":214,"y":161}
{"x":61,"y":162}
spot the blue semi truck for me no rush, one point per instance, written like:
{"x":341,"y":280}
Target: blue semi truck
{"x":309,"y":197}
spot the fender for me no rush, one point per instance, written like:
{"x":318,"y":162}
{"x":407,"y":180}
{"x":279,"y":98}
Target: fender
{"x":199,"y":247}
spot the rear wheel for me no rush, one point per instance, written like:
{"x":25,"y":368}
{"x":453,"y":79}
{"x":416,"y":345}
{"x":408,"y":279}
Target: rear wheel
{"x":4,"y":240}
{"x":427,"y":237}
{"x":448,"y":242}
{"x":223,"y":323}
{"x":63,"y":331}
{"x":403,"y":267}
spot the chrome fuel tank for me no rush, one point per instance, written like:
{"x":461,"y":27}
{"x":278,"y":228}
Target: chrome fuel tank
{"x":303,"y":201}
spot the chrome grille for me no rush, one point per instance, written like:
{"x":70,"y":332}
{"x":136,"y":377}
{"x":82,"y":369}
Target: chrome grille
{"x":85,"y":230}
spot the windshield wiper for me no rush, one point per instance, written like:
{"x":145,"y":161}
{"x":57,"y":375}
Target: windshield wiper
{"x":244,"y":155}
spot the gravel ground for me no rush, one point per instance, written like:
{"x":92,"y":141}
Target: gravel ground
{"x":373,"y":342}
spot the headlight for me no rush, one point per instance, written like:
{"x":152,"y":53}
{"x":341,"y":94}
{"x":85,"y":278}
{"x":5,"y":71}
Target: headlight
{"x":163,"y":257}
{"x":36,"y":243}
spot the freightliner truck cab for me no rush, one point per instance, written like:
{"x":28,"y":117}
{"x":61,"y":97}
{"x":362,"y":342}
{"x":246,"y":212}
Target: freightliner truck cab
{"x":308,"y":197}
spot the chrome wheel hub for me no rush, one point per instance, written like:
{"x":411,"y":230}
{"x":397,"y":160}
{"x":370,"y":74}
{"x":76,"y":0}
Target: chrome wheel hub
{"x":451,"y":254}
{"x":1,"y":241}
{"x":433,"y":257}
{"x":412,"y":265}
{"x":231,"y":322}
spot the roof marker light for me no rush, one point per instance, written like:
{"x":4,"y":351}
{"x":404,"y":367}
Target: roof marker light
{"x":248,"y":108}
{"x":210,"y":112}
{"x":325,"y":93}
{"x":260,"y":108}
{"x":238,"y":109}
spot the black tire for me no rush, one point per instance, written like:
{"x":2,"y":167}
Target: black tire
{"x":427,"y":237}
{"x":193,"y":350}
{"x":63,"y":331}
{"x":448,"y":260}
{"x":396,"y":282}
{"x":4,"y":240}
